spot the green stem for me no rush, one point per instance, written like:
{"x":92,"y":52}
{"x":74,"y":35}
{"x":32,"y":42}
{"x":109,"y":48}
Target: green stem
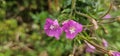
{"x":85,"y":15}
{"x":72,"y":7}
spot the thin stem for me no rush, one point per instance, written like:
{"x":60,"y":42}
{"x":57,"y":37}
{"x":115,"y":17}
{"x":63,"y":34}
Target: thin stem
{"x":92,"y":20}
{"x":107,"y":11}
{"x":57,"y":5}
{"x":104,"y":29}
{"x":49,"y":5}
{"x":87,"y":25}
{"x":107,"y":22}
{"x":72,"y":7}
{"x":85,"y":15}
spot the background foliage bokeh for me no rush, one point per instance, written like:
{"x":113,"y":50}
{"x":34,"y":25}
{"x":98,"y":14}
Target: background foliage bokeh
{"x":22,"y":21}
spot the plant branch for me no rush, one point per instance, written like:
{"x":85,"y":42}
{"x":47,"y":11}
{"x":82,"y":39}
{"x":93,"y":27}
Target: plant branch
{"x":110,"y":7}
{"x":95,"y":45}
{"x":85,"y":15}
{"x":92,"y":20}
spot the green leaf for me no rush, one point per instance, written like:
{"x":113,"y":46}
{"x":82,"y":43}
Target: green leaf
{"x":66,"y":10}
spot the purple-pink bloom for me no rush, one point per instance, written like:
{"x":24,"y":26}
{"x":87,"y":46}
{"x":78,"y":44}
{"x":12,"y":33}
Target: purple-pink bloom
{"x":115,"y":53}
{"x":89,"y":48}
{"x":52,"y":28}
{"x":107,"y":16}
{"x":71,"y":28}
{"x":105,"y":43}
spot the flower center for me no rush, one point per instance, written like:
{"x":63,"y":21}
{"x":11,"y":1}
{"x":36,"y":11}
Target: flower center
{"x":72,"y":30}
{"x":52,"y":27}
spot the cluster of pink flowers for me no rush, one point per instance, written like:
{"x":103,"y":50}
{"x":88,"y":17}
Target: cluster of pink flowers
{"x":70,"y":27}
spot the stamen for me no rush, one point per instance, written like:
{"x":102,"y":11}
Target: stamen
{"x":72,"y":30}
{"x":52,"y":27}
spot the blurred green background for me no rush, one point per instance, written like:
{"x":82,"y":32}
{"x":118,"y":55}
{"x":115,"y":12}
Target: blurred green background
{"x":22,"y":21}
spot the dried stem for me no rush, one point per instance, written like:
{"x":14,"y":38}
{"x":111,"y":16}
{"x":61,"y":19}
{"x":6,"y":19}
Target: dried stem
{"x":57,"y":5}
{"x":107,"y":11}
{"x":49,"y":5}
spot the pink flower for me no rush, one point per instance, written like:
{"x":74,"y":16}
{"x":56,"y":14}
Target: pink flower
{"x":105,"y":43}
{"x":52,"y":28}
{"x":114,"y":53}
{"x":89,"y":47}
{"x":71,"y":28}
{"x":107,"y":16}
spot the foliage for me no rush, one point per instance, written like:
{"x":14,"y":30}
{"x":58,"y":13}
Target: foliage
{"x":22,"y":23}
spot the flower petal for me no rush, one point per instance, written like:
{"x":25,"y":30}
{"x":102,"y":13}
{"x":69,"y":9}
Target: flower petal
{"x":52,"y":28}
{"x":48,"y":23}
{"x":116,"y":53}
{"x":79,"y":27}
{"x":107,"y":16}
{"x":105,"y":43}
{"x":49,"y":32}
{"x":89,"y":47}
{"x":70,"y":36}
{"x":58,"y":32}
{"x":71,"y":28}
{"x":55,"y":22}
